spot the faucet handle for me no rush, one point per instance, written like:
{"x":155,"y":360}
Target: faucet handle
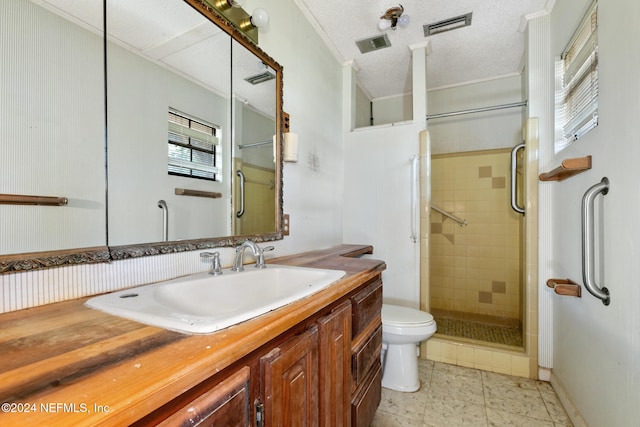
{"x":216,"y":268}
{"x":260,"y":260}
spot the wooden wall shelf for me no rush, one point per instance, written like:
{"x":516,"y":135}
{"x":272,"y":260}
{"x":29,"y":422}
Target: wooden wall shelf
{"x":567,"y":169}
{"x":197,"y":193}
{"x":565,"y":287}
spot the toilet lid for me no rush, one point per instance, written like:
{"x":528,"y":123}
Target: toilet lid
{"x":395,"y":315}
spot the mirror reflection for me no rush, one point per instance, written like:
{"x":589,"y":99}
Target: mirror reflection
{"x":52,"y":126}
{"x":254,"y":124}
{"x":181,"y":112}
{"x":168,"y":97}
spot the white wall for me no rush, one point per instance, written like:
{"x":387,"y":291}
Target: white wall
{"x":477,"y":131}
{"x":392,"y":109}
{"x":378,"y":202}
{"x":363,"y":109}
{"x":313,"y":186}
{"x":596,"y":347}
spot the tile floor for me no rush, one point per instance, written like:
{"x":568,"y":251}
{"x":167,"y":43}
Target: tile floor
{"x":453,"y":396}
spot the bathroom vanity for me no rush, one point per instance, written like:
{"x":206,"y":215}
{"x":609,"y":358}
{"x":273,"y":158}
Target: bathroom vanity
{"x":315,"y":361}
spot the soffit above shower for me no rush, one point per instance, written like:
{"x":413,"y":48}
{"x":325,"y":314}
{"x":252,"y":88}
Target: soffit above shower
{"x":492,"y":46}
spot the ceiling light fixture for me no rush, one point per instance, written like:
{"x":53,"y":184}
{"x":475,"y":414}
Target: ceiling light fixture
{"x":393,"y":17}
{"x":258,"y":19}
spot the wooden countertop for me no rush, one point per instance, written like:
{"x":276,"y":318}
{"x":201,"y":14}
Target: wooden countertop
{"x":66,"y":364}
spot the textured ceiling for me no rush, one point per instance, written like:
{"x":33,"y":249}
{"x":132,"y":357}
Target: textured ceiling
{"x":492,"y":46}
{"x":168,"y":31}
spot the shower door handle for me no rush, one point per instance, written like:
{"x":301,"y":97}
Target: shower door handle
{"x":514,"y":202}
{"x":588,"y":268}
{"x":241,"y":211}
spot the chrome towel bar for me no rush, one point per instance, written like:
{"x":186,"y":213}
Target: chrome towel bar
{"x":462,"y":222}
{"x":588,"y":267}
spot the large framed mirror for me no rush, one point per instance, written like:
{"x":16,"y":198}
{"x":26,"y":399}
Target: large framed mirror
{"x":162,"y":114}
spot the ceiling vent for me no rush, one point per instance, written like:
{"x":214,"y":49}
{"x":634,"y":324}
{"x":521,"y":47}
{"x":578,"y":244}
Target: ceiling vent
{"x":261,"y":78}
{"x":447,"y":25}
{"x":373,"y":43}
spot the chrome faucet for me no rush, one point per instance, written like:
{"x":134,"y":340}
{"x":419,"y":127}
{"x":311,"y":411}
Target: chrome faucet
{"x":216,"y":269}
{"x":257,"y":251}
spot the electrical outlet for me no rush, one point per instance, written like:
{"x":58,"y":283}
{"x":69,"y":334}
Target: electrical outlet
{"x":285,"y":224}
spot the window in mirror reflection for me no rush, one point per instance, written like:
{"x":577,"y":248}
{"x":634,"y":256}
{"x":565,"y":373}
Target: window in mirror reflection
{"x":194,"y":149}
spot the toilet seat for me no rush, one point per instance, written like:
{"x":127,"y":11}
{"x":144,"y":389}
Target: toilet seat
{"x":394,"y":315}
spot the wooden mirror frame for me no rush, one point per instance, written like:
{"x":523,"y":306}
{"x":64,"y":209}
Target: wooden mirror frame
{"x":38,"y":260}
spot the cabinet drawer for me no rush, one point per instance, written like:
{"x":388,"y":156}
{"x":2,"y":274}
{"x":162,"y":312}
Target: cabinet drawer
{"x":367,"y":304}
{"x":366,"y":401}
{"x":365,"y":356}
{"x":225,"y":404}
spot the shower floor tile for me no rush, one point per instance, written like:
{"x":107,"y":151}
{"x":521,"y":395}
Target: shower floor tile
{"x":506,"y":335}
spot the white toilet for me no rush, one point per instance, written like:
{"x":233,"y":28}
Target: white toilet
{"x":402,"y":329}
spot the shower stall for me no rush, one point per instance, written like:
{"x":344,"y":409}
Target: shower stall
{"x":477,"y":242}
{"x":476,"y":247}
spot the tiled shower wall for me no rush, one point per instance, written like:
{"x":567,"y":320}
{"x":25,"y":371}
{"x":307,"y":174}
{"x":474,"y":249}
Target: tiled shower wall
{"x":477,"y":268}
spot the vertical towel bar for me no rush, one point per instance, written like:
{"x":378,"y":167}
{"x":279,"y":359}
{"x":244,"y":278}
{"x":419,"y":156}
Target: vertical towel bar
{"x":588,"y":268}
{"x":414,"y":198}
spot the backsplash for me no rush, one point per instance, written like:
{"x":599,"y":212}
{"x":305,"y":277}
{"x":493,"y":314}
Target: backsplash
{"x":34,"y":288}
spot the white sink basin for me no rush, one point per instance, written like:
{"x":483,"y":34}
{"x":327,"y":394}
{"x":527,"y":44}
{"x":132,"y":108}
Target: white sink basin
{"x":202,"y":303}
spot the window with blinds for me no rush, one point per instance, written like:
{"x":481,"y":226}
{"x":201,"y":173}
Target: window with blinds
{"x":578,"y":89}
{"x":194,"y":148}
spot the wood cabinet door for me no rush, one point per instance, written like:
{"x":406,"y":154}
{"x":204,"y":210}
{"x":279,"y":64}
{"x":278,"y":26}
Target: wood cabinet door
{"x":226,"y":404}
{"x":335,"y":367}
{"x":289,"y":382}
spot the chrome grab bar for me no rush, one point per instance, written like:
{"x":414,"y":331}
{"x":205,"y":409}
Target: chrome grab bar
{"x":460,"y":221}
{"x":514,"y":202}
{"x":588,"y":267}
{"x":414,"y":198}
{"x":165,"y":220}
{"x":241,"y":211}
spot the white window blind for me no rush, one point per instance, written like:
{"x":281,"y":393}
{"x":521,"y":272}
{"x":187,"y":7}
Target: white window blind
{"x":193,"y":147}
{"x":579,"y":106}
